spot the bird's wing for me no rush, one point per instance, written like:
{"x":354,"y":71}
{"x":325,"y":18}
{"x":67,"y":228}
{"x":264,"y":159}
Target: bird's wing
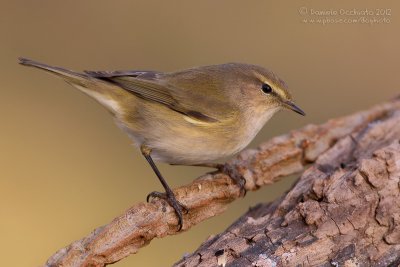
{"x":200,"y":106}
{"x":119,"y":73}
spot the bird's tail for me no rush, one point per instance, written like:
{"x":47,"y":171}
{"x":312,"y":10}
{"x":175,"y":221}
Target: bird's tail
{"x":105,"y":93}
{"x":64,"y":73}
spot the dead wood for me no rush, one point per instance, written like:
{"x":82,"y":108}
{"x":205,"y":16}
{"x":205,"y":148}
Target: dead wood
{"x":343,"y":211}
{"x":345,"y":206}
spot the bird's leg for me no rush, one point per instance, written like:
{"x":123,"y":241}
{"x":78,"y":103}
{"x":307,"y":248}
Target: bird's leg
{"x":229,"y":170}
{"x":168,"y":195}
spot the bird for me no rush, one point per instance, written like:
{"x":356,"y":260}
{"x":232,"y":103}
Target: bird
{"x":190,"y":117}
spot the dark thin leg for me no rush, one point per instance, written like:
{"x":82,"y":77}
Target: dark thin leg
{"x":168,"y":195}
{"x":229,"y":170}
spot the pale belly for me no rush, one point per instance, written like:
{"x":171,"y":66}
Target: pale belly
{"x":177,"y":145}
{"x":180,"y":142}
{"x":185,"y":152}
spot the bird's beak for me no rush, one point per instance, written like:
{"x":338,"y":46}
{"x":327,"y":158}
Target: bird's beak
{"x":292,"y":106}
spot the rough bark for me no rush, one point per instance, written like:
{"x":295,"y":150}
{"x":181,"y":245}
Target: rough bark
{"x":343,"y":211}
{"x":286,"y":231}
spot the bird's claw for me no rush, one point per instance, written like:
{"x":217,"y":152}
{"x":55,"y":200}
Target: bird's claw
{"x":175,"y":204}
{"x":234,"y":174}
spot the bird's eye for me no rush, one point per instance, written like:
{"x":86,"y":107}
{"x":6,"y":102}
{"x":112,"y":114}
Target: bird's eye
{"x":266,"y":88}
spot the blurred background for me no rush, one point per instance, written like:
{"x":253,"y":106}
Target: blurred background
{"x":65,"y":168}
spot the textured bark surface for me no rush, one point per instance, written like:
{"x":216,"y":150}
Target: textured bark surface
{"x":343,"y":211}
{"x":348,"y":194}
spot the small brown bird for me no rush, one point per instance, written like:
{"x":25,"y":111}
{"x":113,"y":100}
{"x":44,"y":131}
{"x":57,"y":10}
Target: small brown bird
{"x":189,"y":117}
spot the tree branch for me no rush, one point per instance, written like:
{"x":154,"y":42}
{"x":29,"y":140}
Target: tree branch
{"x":210,"y":194}
{"x":343,"y":211}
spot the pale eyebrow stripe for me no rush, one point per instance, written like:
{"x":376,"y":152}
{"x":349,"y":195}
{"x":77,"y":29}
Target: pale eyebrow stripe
{"x":276,"y":89}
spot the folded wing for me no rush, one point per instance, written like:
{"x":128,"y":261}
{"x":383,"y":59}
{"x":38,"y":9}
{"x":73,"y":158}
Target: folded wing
{"x":149,"y":85}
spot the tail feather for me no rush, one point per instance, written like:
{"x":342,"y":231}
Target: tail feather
{"x":105,"y":93}
{"x":55,"y":70}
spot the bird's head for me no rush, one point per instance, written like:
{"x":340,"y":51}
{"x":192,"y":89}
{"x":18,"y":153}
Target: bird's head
{"x":261,"y":89}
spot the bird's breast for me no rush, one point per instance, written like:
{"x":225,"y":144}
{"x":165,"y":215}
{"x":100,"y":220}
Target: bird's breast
{"x":183,"y":140}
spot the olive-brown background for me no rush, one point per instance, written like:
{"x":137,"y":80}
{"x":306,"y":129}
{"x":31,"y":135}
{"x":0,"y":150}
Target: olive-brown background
{"x":65,"y":168}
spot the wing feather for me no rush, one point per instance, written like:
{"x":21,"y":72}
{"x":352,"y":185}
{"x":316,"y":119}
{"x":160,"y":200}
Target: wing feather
{"x":206,"y":105}
{"x":145,"y":84}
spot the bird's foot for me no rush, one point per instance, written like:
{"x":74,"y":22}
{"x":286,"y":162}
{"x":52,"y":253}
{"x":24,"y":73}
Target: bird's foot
{"x":175,"y":204}
{"x":234,"y":174}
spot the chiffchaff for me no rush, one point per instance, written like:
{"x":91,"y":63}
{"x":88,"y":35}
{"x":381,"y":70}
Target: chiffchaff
{"x":189,"y":117}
